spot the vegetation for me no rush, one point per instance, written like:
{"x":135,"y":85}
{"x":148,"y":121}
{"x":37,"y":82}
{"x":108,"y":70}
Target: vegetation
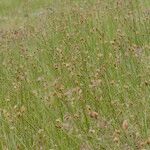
{"x":75,"y":75}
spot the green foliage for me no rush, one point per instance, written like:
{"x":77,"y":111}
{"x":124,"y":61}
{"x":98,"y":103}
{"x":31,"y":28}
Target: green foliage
{"x":74,"y":74}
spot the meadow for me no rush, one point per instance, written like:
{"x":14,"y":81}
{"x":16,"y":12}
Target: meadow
{"x":74,"y":75}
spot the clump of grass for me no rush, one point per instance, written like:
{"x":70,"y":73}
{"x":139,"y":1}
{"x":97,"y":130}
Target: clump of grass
{"x":77,"y":77}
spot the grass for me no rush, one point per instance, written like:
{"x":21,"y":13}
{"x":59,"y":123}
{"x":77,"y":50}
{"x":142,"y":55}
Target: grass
{"x":75,"y":75}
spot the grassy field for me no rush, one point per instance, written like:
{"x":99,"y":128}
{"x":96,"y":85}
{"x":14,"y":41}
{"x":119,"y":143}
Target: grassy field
{"x":74,"y":75}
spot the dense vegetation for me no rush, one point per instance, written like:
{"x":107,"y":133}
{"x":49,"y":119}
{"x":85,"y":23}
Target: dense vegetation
{"x":75,"y":74}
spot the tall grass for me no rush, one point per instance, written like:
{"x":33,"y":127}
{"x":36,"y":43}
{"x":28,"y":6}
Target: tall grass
{"x":75,"y":75}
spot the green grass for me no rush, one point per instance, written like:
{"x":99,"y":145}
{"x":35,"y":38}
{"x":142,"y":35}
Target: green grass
{"x":75,"y":75}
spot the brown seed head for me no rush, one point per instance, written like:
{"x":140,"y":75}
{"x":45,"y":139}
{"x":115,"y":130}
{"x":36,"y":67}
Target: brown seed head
{"x":125,"y":125}
{"x":116,"y":139}
{"x":93,"y":114}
